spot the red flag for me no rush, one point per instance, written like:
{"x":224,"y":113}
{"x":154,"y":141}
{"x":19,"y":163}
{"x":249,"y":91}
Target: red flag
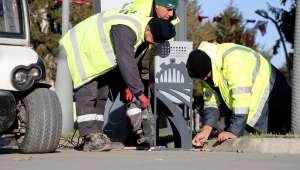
{"x":262,"y":26}
{"x":217,"y":19}
{"x":228,"y":38}
{"x":250,"y":20}
{"x":211,"y":40}
{"x":233,"y":21}
{"x":238,"y":37}
{"x":219,"y":40}
{"x":201,"y":17}
{"x":250,"y":37}
{"x":83,"y":2}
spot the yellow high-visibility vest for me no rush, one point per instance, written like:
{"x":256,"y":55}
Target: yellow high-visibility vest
{"x":89,"y":48}
{"x":244,"y":77}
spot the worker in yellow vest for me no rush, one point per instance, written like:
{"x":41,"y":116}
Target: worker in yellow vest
{"x":164,"y":9}
{"x":101,"y":53}
{"x":256,"y":93}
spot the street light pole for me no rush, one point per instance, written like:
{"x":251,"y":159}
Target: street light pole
{"x":286,"y":54}
{"x":264,"y":14}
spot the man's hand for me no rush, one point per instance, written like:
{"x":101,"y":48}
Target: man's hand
{"x":201,"y":137}
{"x":144,"y":101}
{"x":126,"y":95}
{"x":226,"y":135}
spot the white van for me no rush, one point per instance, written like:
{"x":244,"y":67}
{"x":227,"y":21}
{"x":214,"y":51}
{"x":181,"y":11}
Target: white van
{"x":28,"y":108}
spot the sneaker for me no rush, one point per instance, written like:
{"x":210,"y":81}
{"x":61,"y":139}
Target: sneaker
{"x":116,"y":146}
{"x":95,"y":142}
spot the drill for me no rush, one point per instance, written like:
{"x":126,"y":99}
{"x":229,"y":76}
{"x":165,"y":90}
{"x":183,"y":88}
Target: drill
{"x":146,"y":134}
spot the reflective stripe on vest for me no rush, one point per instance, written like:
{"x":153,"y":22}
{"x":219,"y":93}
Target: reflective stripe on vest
{"x":78,"y":61}
{"x":263,"y":100}
{"x":209,"y":105}
{"x":240,"y":90}
{"x":105,"y":43}
{"x":240,"y":110}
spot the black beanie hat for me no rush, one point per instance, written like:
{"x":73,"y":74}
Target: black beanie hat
{"x":161,"y":29}
{"x":198,"y":64}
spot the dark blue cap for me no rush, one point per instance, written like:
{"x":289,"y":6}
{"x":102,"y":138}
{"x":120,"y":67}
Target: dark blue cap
{"x":161,"y":29}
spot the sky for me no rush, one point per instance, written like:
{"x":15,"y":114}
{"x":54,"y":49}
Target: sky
{"x":212,"y":8}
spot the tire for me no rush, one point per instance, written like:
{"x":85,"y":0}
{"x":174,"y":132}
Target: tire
{"x":44,"y":122}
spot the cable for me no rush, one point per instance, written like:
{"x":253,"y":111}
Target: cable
{"x":112,"y":98}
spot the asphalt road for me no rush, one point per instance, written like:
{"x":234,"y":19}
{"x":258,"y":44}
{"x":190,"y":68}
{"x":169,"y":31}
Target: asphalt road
{"x":146,"y":160}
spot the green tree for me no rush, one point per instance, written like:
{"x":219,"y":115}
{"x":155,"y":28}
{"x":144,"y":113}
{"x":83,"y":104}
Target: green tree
{"x":197,"y":31}
{"x":45,"y":27}
{"x":224,"y":28}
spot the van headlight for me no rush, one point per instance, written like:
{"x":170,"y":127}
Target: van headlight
{"x":21,"y":77}
{"x":24,"y":77}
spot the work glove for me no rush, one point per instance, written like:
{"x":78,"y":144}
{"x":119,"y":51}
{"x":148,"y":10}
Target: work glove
{"x":125,"y":95}
{"x":143,"y":101}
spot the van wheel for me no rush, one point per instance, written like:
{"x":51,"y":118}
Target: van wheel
{"x":43,"y":123}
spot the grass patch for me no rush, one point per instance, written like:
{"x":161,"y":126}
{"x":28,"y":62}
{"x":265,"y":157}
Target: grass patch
{"x":270,"y":135}
{"x":166,"y":138}
{"x":70,"y":135}
{"x":260,"y":135}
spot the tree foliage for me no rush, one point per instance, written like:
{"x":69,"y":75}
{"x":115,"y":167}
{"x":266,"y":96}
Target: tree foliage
{"x":204,"y":31}
{"x":224,"y":28}
{"x":45,"y":29}
{"x":286,"y":23}
{"x":285,"y":20}
{"x":197,"y":31}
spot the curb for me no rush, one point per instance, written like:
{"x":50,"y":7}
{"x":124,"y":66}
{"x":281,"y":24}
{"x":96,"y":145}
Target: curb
{"x":256,"y":145}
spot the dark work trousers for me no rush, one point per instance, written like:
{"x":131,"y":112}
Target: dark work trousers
{"x":134,"y":115}
{"x":91,"y":100}
{"x":279,"y":121}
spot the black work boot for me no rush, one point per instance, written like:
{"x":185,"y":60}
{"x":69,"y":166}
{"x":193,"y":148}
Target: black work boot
{"x":131,"y":139}
{"x":95,"y":142}
{"x":116,"y":146}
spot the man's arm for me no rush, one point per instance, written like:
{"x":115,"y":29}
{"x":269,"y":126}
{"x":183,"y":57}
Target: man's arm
{"x":123,"y":39}
{"x":211,"y":113}
{"x":239,"y":75}
{"x":212,"y":102}
{"x":201,"y":137}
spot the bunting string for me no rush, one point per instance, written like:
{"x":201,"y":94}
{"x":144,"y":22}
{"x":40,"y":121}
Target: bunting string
{"x":237,"y":36}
